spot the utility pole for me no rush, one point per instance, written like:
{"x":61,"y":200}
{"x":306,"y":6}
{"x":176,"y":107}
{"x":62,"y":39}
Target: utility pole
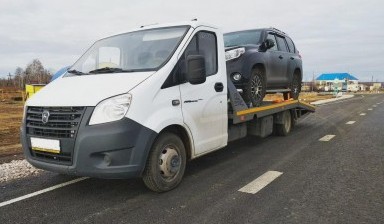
{"x":9,"y":79}
{"x":313,"y":80}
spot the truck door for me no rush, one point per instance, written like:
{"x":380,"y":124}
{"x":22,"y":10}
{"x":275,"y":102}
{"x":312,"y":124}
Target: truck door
{"x":204,"y":106}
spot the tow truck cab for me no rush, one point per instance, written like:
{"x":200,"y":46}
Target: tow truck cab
{"x":101,"y":119}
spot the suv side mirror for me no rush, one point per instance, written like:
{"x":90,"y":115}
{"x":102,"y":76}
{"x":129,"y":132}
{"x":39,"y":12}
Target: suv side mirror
{"x":267,"y":44}
{"x":196,"y":69}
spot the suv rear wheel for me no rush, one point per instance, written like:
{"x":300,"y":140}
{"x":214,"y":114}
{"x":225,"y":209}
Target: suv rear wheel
{"x":254,"y":91}
{"x":295,"y":86}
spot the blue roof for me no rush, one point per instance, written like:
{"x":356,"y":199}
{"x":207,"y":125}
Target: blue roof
{"x":333,"y":76}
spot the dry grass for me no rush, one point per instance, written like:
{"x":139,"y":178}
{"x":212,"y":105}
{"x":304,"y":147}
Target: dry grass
{"x":11,"y":114}
{"x":306,"y":97}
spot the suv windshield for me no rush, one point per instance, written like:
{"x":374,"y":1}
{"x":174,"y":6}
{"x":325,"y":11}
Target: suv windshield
{"x":242,"y":38}
{"x":144,"y":50}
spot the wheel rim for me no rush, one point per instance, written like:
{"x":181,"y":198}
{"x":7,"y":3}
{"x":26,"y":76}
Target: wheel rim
{"x":256,"y":87}
{"x":169,"y":163}
{"x":295,"y":86}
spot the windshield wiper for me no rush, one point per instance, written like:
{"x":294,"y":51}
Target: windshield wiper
{"x":75,"y":72}
{"x":108,"y":70}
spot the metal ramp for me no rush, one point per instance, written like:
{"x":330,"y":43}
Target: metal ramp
{"x":239,"y":111}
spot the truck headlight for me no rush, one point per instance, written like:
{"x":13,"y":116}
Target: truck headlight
{"x":111,"y":109}
{"x":234,"y":53}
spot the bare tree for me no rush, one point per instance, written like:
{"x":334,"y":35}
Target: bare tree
{"x":19,"y":77}
{"x":35,"y":73}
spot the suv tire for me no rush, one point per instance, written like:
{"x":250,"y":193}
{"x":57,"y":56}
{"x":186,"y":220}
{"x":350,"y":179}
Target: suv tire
{"x":295,"y":86}
{"x":254,"y":91}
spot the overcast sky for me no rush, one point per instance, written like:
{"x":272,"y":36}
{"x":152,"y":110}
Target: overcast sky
{"x":331,"y":35}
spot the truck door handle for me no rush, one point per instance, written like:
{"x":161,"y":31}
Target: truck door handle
{"x":219,"y":87}
{"x":281,"y":57}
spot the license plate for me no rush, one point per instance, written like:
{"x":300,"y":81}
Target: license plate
{"x":45,"y":145}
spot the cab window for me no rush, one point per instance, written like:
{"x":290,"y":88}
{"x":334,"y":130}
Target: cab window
{"x":203,"y":43}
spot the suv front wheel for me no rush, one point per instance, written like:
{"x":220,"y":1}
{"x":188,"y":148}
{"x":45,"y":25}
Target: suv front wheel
{"x":255,"y":89}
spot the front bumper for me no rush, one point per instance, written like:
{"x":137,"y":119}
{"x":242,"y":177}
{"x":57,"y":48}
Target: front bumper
{"x":112,"y":150}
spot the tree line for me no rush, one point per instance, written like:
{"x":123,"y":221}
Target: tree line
{"x":34,"y":73}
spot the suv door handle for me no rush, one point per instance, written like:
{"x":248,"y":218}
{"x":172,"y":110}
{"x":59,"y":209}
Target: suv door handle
{"x":219,"y":87}
{"x":281,"y":57}
{"x":292,"y":58}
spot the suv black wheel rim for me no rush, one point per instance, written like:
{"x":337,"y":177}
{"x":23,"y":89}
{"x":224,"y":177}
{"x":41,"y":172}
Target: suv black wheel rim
{"x":295,"y":87}
{"x":256,"y":87}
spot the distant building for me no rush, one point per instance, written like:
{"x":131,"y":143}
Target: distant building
{"x":337,"y":81}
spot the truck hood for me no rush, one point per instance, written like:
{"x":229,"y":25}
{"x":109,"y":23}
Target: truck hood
{"x":86,"y":90}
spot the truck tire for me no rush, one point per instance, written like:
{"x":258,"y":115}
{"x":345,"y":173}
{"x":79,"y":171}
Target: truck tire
{"x":285,"y":128}
{"x":166,"y":163}
{"x":295,"y":86}
{"x":255,"y":89}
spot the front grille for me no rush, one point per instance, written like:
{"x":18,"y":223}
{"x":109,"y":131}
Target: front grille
{"x":63,"y":122}
{"x":60,"y":158}
{"x":63,"y":125}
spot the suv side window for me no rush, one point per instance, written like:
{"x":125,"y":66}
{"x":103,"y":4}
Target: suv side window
{"x":291,"y":45}
{"x":203,"y":43}
{"x":272,"y":37}
{"x":281,"y":43}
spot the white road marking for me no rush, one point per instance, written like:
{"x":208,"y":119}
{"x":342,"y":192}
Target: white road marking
{"x":374,"y":106}
{"x":378,"y":103}
{"x":362,"y":114}
{"x":260,"y":182}
{"x":42,"y":191}
{"x":350,"y":122}
{"x":327,"y":138}
{"x":370,"y":109}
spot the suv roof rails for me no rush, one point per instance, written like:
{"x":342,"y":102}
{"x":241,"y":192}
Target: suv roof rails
{"x":142,"y":26}
{"x":273,"y":28}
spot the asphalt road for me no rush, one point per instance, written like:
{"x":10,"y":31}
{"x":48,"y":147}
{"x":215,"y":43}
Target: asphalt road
{"x":336,"y":181}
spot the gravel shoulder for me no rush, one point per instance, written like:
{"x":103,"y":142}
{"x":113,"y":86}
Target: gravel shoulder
{"x":17,"y":169}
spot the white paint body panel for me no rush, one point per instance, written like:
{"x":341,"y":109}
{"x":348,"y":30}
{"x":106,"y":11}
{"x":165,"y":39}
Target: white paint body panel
{"x":86,"y":90}
{"x":151,"y":106}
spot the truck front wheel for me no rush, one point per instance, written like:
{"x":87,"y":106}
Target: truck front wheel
{"x":166,"y":163}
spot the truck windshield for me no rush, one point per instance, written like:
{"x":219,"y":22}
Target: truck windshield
{"x":146,"y":50}
{"x":242,"y":38}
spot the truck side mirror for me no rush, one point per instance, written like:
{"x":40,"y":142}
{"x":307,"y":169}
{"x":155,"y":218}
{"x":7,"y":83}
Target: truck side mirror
{"x":267,"y":44}
{"x":196,"y":69}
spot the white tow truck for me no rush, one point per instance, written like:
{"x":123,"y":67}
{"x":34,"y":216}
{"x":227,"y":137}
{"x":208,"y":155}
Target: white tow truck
{"x":143,"y":103}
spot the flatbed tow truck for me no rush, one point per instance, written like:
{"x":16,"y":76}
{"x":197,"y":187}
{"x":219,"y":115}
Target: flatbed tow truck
{"x":168,"y":101}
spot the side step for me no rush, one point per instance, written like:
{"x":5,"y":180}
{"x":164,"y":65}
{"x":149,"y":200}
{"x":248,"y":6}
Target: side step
{"x":278,"y":90}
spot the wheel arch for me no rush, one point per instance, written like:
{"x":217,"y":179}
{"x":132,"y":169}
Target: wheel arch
{"x":262,"y":67}
{"x":184,"y":136}
{"x":298,"y":70}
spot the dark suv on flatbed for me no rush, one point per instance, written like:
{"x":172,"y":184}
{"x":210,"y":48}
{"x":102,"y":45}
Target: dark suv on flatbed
{"x":263,"y":61}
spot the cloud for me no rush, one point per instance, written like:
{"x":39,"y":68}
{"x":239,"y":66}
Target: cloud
{"x":343,"y":35}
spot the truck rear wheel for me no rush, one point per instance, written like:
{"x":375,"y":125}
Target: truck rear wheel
{"x":286,"y":126}
{"x":166,"y":163}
